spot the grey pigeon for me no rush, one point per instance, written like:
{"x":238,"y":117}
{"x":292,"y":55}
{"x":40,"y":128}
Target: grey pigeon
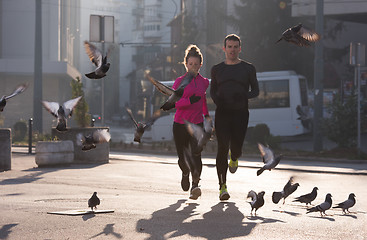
{"x":174,"y":95}
{"x":307,"y":198}
{"x":299,"y":35}
{"x":288,"y":189}
{"x":257,"y":200}
{"x":93,"y":201}
{"x":347,"y":203}
{"x":268,"y":159}
{"x":202,"y":135}
{"x":61,"y":112}
{"x":305,"y":117}
{"x":19,"y":89}
{"x":141,"y":126}
{"x":323,"y":206}
{"x":89,"y":141}
{"x":98,"y":60}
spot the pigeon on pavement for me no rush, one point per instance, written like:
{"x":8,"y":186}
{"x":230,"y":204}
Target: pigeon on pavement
{"x":257,"y":200}
{"x":307,"y":198}
{"x":61,"y":112}
{"x":202,"y":135}
{"x":268,"y":158}
{"x":174,"y":95}
{"x":141,"y":126}
{"x":19,"y":89}
{"x":299,"y":35}
{"x":323,"y":206}
{"x":347,"y":203}
{"x":288,"y":189}
{"x":98,"y":59}
{"x":93,"y":201}
{"x":89,"y":141}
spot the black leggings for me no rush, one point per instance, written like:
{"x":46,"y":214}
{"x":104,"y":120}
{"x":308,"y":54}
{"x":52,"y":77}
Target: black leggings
{"x":183,"y":139}
{"x":230,"y":128}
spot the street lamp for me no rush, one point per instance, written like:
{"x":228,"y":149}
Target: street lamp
{"x":357,"y":58}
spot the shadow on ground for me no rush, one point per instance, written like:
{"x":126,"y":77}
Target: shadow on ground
{"x":223,"y":221}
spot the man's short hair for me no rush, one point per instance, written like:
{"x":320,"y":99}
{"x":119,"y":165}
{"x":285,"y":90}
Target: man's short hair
{"x":232,"y":37}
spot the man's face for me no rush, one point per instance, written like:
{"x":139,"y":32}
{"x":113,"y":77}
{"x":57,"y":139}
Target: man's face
{"x":232,"y":50}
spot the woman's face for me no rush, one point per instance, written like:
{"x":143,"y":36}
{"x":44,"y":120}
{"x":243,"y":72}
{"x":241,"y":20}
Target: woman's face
{"x":193,"y":65}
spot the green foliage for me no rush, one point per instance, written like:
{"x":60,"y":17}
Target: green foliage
{"x":80,"y":112}
{"x":341,"y":127}
{"x":19,"y":131}
{"x":261,"y":134}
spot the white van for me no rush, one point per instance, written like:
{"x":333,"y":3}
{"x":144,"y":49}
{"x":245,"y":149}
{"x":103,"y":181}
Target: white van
{"x":280,"y":94}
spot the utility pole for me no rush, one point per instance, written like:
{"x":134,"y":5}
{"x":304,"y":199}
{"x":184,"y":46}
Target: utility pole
{"x":318,"y":79}
{"x":37,"y":87}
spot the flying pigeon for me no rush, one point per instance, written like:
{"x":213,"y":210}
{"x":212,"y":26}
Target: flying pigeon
{"x":93,"y":201}
{"x":305,"y":117}
{"x":19,"y":89}
{"x":347,"y":203}
{"x":307,"y":198}
{"x":323,"y":206}
{"x":288,"y":189}
{"x":98,"y":59}
{"x":61,"y":112}
{"x":299,"y":35}
{"x":202,"y":135}
{"x":268,"y":158}
{"x":141,"y":126}
{"x":89,"y":141}
{"x":174,"y":95}
{"x":257,"y":200}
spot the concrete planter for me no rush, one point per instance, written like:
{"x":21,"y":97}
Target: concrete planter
{"x":54,"y":153}
{"x":100,"y":154}
{"x":5,"y":149}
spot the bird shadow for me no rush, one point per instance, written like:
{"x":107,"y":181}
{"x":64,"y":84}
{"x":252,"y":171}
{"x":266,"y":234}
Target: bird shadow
{"x":5,"y":230}
{"x":88,"y":216}
{"x":264,"y":220}
{"x":324,"y":217}
{"x":34,"y":175}
{"x":108,"y":232}
{"x":287,"y":212}
{"x":347,"y":215}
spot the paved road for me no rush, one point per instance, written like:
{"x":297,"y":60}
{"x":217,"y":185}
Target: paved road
{"x":145,"y":193}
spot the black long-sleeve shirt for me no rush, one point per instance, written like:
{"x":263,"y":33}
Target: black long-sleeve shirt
{"x":232,"y":85}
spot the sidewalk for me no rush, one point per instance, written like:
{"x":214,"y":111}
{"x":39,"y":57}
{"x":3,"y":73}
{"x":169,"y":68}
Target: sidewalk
{"x":148,"y":205}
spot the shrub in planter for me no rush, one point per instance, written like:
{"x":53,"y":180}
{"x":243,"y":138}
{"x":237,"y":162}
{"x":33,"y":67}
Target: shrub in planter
{"x":19,"y":131}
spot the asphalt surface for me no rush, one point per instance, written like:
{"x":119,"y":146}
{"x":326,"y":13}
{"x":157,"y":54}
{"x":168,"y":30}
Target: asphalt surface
{"x":144,"y":192}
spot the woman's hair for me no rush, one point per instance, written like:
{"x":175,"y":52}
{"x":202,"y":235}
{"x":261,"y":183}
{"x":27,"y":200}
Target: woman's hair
{"x":193,"y":51}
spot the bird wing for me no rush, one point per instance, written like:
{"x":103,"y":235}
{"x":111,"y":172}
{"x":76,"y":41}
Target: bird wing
{"x":159,"y":86}
{"x":101,"y":136}
{"x":93,"y":53}
{"x":19,"y":89}
{"x":128,"y":110}
{"x":52,"y":107}
{"x":194,"y":130}
{"x":266,"y":153}
{"x":208,"y":124}
{"x":151,"y":120}
{"x":70,"y":105}
{"x":80,"y":139}
{"x":308,"y":34}
{"x":252,"y":194}
{"x":324,"y":206}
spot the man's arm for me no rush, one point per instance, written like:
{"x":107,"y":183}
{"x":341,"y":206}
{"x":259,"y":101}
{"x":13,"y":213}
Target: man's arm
{"x":254,"y":84}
